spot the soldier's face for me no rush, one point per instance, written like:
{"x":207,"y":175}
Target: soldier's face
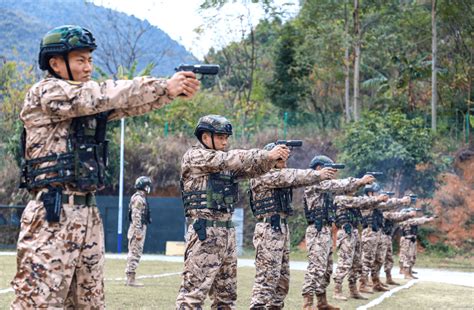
{"x":220,"y":140}
{"x":80,"y":63}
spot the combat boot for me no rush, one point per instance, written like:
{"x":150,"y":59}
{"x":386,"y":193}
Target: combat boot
{"x":364,"y":287}
{"x":323,"y":303}
{"x":411,"y":273}
{"x":308,"y":302}
{"x":389,"y":280}
{"x":378,"y":287}
{"x":355,"y":292}
{"x":131,"y":281}
{"x":338,"y":292}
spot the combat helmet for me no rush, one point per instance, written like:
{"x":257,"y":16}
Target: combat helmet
{"x":62,"y":40}
{"x":213,"y":124}
{"x":320,"y":160}
{"x":372,"y":188}
{"x":143,"y":183}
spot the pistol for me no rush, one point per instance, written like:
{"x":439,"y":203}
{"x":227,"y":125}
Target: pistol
{"x":290,"y":143}
{"x":204,"y":69}
{"x":374,"y":173}
{"x":334,"y":166}
{"x":388,"y":193}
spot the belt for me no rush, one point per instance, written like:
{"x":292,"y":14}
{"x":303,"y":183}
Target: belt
{"x":88,"y":199}
{"x":224,"y":224}
{"x":269,"y":220}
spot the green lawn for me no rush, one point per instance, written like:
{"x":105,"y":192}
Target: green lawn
{"x":160,"y":293}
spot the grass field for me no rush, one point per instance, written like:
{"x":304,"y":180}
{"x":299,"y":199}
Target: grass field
{"x":160,"y":292}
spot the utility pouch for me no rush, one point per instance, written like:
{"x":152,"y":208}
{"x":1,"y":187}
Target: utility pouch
{"x":200,"y":228}
{"x":347,"y":228}
{"x":412,"y":239}
{"x":318,"y":223}
{"x":275,"y":222}
{"x":52,"y":202}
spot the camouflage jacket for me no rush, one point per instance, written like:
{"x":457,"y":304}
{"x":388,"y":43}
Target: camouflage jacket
{"x":413,"y":222}
{"x":264,"y":186}
{"x":137,"y":209}
{"x":344,"y":202}
{"x":382,"y":206}
{"x":314,"y":194}
{"x":51,"y":105}
{"x":198,"y":163}
{"x":397,"y":216}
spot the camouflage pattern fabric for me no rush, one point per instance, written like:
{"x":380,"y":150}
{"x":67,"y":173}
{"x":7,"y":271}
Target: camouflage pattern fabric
{"x":51,"y":104}
{"x":60,"y":265}
{"x":210,"y":266}
{"x":370,"y":245}
{"x":345,"y":246}
{"x":272,"y":247}
{"x":388,"y":259}
{"x":319,"y":244}
{"x":408,"y":247}
{"x":136,"y":231}
{"x":319,"y":271}
{"x":272,"y":263}
{"x":356,"y":270}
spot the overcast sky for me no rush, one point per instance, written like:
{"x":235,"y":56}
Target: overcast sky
{"x":180,"y":19}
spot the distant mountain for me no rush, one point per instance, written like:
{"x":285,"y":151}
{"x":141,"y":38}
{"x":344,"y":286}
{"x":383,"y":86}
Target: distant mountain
{"x":24,"y":22}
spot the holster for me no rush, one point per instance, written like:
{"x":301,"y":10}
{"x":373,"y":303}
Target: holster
{"x":52,"y":202}
{"x":275,"y":222}
{"x":200,"y":229}
{"x":318,"y":223}
{"x":347,"y":228}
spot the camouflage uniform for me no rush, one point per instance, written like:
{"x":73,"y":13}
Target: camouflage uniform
{"x":348,"y":241}
{"x":319,"y":241}
{"x":408,"y":240}
{"x":384,"y":255}
{"x":137,"y":231}
{"x":372,"y":245}
{"x":272,"y":239}
{"x":210,"y":265}
{"x":60,"y":264}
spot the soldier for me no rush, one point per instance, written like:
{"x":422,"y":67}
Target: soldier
{"x":348,"y":217}
{"x":372,"y":245}
{"x":386,"y":258}
{"x":320,"y":214}
{"x":270,"y":201}
{"x":210,"y":191}
{"x":139,"y":217}
{"x":60,"y":256}
{"x":408,"y":244}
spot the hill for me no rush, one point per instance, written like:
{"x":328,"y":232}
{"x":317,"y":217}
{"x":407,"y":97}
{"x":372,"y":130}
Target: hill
{"x":23,"y":24}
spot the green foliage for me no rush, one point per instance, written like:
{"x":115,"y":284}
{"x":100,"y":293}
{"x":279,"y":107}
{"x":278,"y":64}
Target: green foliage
{"x":391,"y":143}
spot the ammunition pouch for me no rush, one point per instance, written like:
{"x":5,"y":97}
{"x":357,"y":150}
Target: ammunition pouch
{"x":222,"y":194}
{"x":52,"y":202}
{"x":279,"y":201}
{"x":275,"y":222}
{"x":82,"y":165}
{"x":146,"y":216}
{"x":199,"y":226}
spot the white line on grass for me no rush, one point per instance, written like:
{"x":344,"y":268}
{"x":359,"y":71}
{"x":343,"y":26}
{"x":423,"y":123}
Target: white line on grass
{"x":7,"y":290}
{"x":148,"y":276}
{"x":387,"y":295}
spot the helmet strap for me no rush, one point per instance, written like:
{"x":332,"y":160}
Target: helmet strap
{"x":66,"y":60}
{"x":212,"y":139}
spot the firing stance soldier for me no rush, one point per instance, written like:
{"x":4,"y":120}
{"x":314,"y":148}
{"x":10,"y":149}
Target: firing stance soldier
{"x":320,"y":213}
{"x":270,"y":201}
{"x":209,"y":186}
{"x":386,"y":255}
{"x":348,"y":219}
{"x":139,"y":217}
{"x":60,"y":258}
{"x":408,"y":244}
{"x":372,"y":245}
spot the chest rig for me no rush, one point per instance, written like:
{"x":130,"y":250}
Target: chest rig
{"x":279,"y":201}
{"x":146,"y":213}
{"x":388,"y":226}
{"x":221,"y":194}
{"x":374,"y":220}
{"x":321,"y":216}
{"x":82,"y":165}
{"x":351,"y":216}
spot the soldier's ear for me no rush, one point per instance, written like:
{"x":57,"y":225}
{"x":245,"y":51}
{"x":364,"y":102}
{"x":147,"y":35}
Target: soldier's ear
{"x":55,"y":63}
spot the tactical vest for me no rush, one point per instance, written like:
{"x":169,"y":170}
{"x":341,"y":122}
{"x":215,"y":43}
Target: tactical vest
{"x":82,"y":165}
{"x":388,"y":226}
{"x":146,"y":214}
{"x":351,"y":216}
{"x":410,"y":231}
{"x":279,"y":201}
{"x":321,"y":216}
{"x":374,"y":220}
{"x":222,"y":194}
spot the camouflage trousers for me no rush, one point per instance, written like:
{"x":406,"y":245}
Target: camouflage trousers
{"x":349,"y":256}
{"x":407,"y":252}
{"x":136,"y":241}
{"x":381,"y":254}
{"x":371,"y":243}
{"x":272,"y":264}
{"x":318,"y":274}
{"x":210,"y":267}
{"x":60,"y":265}
{"x":388,"y":260}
